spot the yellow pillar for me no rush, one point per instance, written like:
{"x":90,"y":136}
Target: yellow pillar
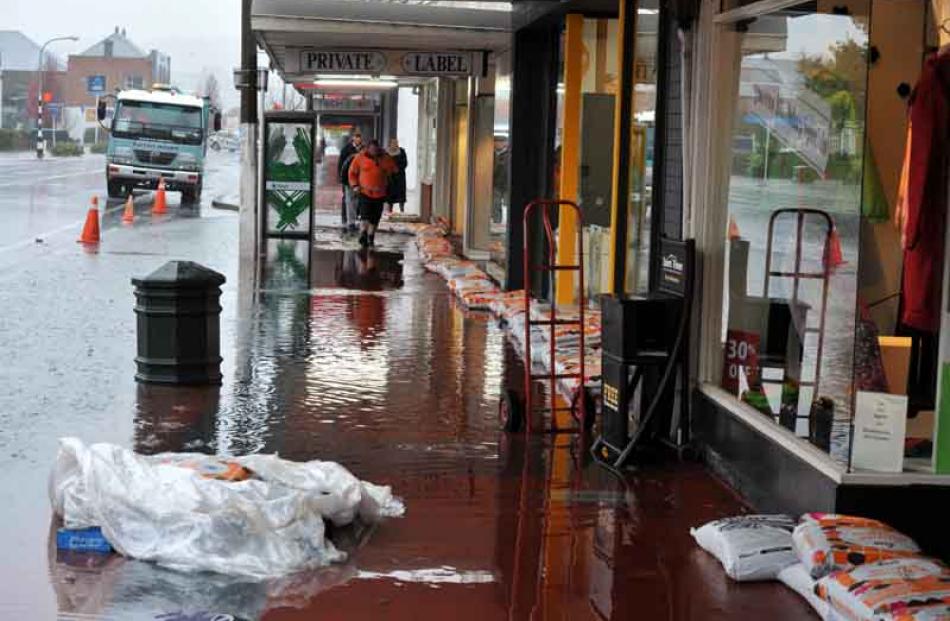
{"x":570,"y":154}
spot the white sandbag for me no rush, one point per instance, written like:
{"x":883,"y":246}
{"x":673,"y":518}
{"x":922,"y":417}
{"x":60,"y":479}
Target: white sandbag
{"x":750,"y":547}
{"x":797,"y":578}
{"x":266,"y":526}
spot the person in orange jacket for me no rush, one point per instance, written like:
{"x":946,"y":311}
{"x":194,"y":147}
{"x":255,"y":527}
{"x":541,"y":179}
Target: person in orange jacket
{"x":369,"y":177}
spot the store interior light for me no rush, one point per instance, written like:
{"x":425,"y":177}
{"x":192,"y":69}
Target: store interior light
{"x":359,"y":84}
{"x":348,"y":76}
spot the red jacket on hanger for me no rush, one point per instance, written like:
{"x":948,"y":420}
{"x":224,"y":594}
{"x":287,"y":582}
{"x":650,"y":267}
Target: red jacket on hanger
{"x":924,"y":207}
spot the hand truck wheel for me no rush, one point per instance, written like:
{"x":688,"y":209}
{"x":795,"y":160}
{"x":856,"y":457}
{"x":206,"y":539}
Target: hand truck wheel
{"x":511,"y":411}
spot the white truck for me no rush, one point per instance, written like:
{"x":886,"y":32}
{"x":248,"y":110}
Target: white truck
{"x":158,"y":134}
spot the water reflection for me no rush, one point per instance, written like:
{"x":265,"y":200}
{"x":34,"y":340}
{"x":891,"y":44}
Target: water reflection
{"x":394,"y":381}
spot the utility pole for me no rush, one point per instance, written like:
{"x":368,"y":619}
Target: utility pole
{"x":246,"y":80}
{"x":40,"y":142}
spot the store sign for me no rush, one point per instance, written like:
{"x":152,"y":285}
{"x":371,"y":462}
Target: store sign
{"x":342,"y":61}
{"x":437,"y":63}
{"x":308,"y":62}
{"x":880,"y":424}
{"x":740,"y":359}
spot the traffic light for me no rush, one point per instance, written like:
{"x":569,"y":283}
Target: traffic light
{"x":47,"y":96}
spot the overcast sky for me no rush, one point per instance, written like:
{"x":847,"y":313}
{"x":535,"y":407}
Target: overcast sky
{"x":197,"y":34}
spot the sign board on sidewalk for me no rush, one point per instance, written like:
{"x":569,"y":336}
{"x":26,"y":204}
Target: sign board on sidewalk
{"x":96,"y":84}
{"x":288,"y":174}
{"x":880,"y":424}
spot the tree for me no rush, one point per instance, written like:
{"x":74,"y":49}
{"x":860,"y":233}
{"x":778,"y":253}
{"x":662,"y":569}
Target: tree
{"x":211,"y":89}
{"x":840,"y":78}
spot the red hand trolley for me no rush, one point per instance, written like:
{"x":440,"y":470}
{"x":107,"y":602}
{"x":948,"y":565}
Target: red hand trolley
{"x":580,"y":411}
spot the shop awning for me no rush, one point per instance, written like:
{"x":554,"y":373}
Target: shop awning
{"x":283,"y":26}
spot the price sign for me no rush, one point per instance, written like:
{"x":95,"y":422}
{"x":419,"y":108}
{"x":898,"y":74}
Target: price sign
{"x":741,"y":352}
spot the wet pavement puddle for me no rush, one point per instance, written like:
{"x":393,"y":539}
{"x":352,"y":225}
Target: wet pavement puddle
{"x":363,"y":358}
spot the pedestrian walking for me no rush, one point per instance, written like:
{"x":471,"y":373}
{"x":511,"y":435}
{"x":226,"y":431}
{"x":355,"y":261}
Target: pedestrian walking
{"x":369,"y":175}
{"x":397,"y":184}
{"x":347,"y":213}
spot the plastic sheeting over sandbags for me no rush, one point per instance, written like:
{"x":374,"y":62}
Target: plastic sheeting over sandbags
{"x":156,"y":508}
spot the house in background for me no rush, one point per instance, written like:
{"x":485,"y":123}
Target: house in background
{"x":19,"y":57}
{"x":122,"y":63}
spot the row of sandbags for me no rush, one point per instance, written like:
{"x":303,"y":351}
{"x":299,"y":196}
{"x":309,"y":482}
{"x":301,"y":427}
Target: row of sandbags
{"x":477,"y":291}
{"x":845,"y":567}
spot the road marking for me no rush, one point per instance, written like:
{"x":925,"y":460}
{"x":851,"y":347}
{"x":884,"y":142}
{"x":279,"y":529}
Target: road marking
{"x":53,"y":232}
{"x":40,"y":181}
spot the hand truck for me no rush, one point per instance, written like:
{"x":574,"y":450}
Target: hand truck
{"x":511,"y":408}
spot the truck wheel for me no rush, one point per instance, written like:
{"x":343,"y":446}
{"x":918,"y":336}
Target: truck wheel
{"x":191,"y":196}
{"x":115,"y":189}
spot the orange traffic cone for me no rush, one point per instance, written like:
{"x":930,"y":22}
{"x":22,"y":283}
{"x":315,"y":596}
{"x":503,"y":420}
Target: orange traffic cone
{"x":833,"y":257}
{"x":128,"y":214}
{"x":733,"y":229}
{"x":90,"y":230}
{"x":159,"y":207}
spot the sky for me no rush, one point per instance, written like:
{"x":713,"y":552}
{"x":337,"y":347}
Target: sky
{"x":199,"y":35}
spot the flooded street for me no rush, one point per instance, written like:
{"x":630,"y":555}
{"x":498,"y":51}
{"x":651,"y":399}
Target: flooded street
{"x":370,"y":363}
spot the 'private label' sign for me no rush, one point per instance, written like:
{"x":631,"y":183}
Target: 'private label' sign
{"x":437,"y":63}
{"x":337,"y":61}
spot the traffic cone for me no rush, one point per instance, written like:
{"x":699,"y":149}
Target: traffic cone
{"x":159,"y":207}
{"x":833,"y":257}
{"x":90,"y":230}
{"x":128,"y":214}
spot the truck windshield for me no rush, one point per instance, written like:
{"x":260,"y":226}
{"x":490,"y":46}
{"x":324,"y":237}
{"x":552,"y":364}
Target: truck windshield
{"x":143,"y":119}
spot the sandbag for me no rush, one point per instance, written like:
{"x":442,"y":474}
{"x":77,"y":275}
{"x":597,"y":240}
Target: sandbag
{"x":750,"y":547}
{"x":153,"y":508}
{"x":828,"y":542}
{"x":901,"y":589}
{"x":797,"y":578}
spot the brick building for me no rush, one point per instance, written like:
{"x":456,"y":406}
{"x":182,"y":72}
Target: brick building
{"x":123,"y":64}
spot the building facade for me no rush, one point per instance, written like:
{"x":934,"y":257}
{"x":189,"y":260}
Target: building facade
{"x":123,"y":65}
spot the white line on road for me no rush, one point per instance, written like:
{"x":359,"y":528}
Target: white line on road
{"x":39,"y":181}
{"x":52,"y":232}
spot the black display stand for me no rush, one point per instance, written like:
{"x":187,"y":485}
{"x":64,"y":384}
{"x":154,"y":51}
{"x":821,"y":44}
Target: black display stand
{"x":645,"y":345}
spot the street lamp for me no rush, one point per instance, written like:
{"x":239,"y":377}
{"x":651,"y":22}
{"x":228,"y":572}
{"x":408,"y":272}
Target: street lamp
{"x":40,"y":142}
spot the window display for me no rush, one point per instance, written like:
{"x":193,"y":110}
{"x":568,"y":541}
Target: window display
{"x":794,"y":204}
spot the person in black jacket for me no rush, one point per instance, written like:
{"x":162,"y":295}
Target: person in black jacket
{"x":397,"y":189}
{"x":352,"y":147}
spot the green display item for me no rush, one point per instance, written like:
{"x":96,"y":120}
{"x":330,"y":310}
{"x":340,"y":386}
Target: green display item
{"x":942,"y":431}
{"x":289,"y":204}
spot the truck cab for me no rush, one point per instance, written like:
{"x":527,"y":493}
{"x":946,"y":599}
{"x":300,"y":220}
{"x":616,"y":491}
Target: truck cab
{"x":158,"y":134}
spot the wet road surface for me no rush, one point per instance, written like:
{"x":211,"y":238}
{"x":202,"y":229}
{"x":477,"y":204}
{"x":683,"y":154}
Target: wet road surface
{"x":367,"y":360}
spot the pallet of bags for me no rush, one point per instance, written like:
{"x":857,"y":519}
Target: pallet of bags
{"x":508,"y":304}
{"x":434,"y":247}
{"x":897,"y":589}
{"x":750,"y":547}
{"x":479,"y":300}
{"x":827,"y":542}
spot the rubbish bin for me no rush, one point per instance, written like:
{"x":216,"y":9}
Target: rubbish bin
{"x":178,"y":325}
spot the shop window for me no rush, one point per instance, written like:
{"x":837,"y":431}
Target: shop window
{"x":641,"y":147}
{"x":500,"y":175}
{"x":797,"y":160}
{"x":601,"y":78}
